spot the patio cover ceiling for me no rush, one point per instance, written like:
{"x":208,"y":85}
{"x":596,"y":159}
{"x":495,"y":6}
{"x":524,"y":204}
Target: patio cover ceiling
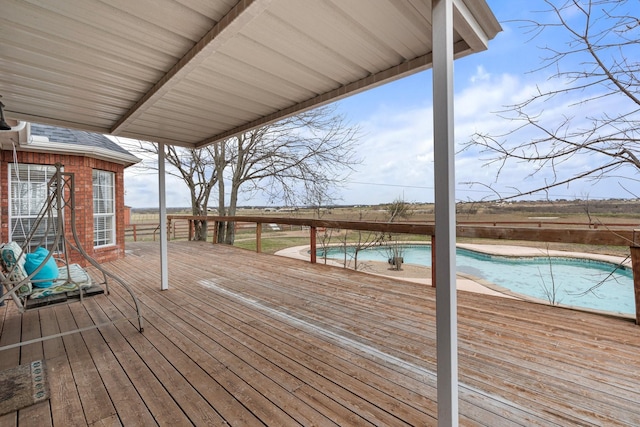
{"x":192,"y":72}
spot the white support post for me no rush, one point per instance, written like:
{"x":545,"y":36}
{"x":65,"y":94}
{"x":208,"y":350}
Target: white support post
{"x":162,"y":200}
{"x":445,"y":214}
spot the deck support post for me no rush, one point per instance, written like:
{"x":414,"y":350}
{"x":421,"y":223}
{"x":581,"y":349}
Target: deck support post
{"x":433,"y":261}
{"x":162,"y":201}
{"x":445,"y":214}
{"x":635,"y":265}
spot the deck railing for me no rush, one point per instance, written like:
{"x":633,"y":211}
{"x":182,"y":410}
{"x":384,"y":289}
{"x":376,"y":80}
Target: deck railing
{"x":151,"y":231}
{"x":604,"y":234}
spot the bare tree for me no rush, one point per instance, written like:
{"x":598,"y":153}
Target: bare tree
{"x":292,"y":161}
{"x":198,"y":168}
{"x":318,"y":198}
{"x":551,"y":291}
{"x":365,"y":240}
{"x":369,"y":239}
{"x":596,"y":70}
{"x":222,"y":157}
{"x":399,"y":208}
{"x":300,"y":158}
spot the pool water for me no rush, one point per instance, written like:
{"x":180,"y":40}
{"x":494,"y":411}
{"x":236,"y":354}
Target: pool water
{"x":562,"y":280}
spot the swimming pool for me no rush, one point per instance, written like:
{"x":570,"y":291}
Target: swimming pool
{"x":539,"y":277}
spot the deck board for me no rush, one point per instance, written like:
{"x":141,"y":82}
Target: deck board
{"x":251,"y":339}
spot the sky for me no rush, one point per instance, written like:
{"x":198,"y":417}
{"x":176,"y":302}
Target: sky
{"x":395,"y":121}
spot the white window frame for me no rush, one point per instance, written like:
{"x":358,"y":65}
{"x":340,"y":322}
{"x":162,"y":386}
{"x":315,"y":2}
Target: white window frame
{"x":29,"y":205}
{"x":104,"y":208}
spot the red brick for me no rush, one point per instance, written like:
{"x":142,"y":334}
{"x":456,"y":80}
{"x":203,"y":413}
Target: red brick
{"x":82,"y":168}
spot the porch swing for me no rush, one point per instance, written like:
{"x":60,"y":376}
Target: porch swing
{"x":46,"y":276}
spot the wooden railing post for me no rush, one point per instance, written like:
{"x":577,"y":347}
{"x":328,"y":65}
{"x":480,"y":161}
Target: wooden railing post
{"x":135,"y":233}
{"x":215,"y":232}
{"x":258,"y":237}
{"x":635,"y":265}
{"x":312,"y":243}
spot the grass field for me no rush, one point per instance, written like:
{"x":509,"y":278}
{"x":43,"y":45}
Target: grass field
{"x":583,"y":211}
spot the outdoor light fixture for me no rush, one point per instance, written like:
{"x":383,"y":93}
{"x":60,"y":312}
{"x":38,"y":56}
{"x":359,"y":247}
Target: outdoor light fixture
{"x":3,"y":124}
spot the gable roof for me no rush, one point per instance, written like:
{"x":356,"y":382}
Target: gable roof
{"x":193,"y":72}
{"x":70,"y":141}
{"x":77,"y":137}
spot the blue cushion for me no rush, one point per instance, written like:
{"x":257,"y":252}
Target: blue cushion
{"x":49,"y":271}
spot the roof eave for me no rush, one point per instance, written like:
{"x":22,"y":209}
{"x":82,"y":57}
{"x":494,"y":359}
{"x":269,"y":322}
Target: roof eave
{"x":42,"y":144}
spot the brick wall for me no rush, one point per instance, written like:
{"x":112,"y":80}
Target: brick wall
{"x":82,"y":168}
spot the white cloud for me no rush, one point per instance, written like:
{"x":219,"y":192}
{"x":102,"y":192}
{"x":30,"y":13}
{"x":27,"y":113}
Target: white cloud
{"x":398,"y":158}
{"x":141,"y":189}
{"x":480,"y":75}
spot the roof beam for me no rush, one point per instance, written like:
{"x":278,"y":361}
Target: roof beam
{"x":470,"y":28}
{"x":226,"y":28}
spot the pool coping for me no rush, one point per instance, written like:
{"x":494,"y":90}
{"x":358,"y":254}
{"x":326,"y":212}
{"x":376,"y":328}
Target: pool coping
{"x":470,"y":283}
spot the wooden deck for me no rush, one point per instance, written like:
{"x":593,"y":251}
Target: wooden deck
{"x":250,"y":339}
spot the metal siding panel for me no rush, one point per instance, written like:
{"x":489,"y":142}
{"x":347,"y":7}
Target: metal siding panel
{"x":396,"y":25}
{"x":200,"y":106}
{"x":169,"y":22}
{"x":293,"y":43}
{"x":167,"y":15}
{"x":337,"y":31}
{"x":86,"y":40}
{"x":86,"y":63}
{"x":213,"y":9}
{"x":255,"y":77}
{"x":183,"y":133}
{"x":235,"y":107}
{"x":236,"y":84}
{"x":261,"y":56}
{"x":47,"y":69}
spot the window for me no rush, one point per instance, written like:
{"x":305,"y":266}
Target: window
{"x":104,"y":218}
{"x":27,"y":196}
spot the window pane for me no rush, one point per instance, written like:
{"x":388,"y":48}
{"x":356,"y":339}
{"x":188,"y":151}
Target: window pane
{"x":103,"y":208}
{"x":28,"y":194}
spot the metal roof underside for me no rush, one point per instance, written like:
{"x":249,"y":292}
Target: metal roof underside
{"x":192,"y":72}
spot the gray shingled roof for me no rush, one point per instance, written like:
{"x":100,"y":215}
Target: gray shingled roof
{"x":77,"y":137}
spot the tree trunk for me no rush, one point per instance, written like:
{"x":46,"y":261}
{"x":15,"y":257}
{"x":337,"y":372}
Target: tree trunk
{"x":222,"y":211}
{"x":230,"y":236}
{"x":200,"y":227}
